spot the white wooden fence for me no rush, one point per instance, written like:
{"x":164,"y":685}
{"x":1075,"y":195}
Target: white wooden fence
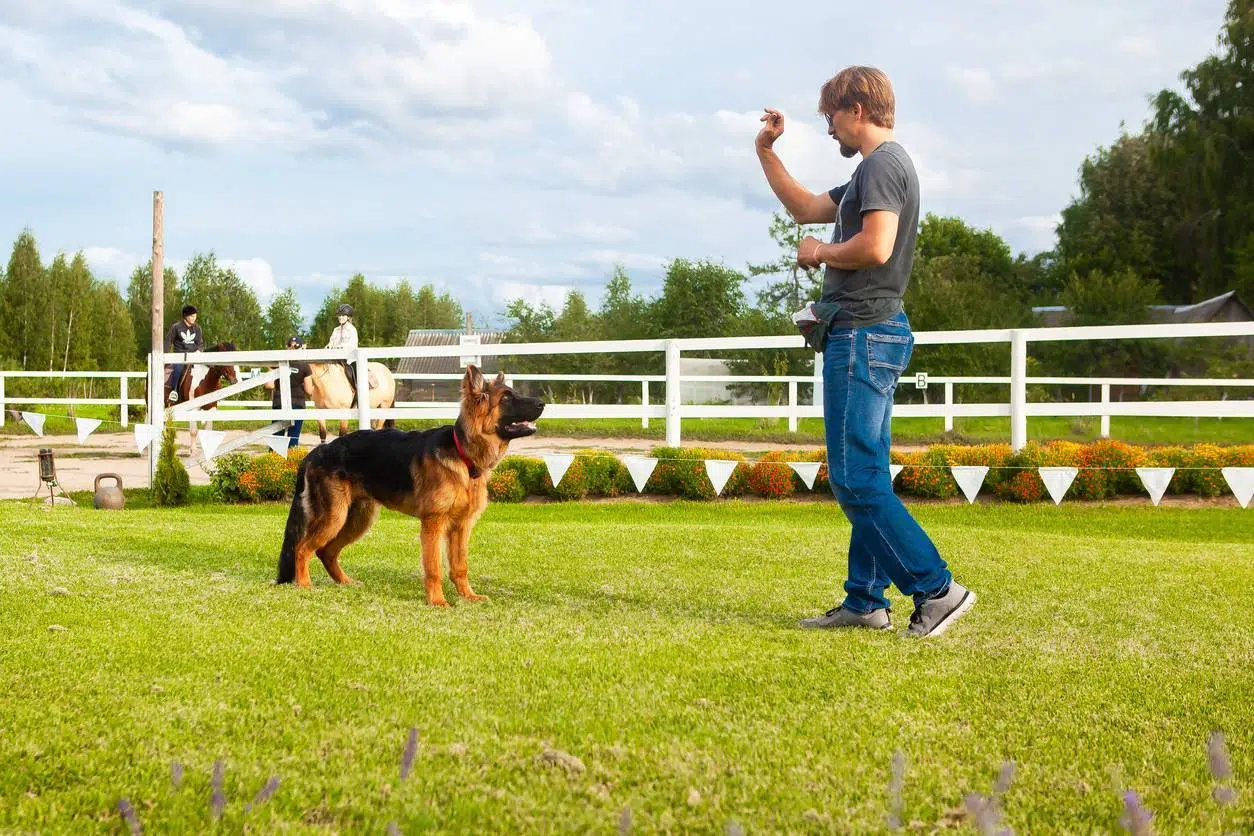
{"x":671,"y":407}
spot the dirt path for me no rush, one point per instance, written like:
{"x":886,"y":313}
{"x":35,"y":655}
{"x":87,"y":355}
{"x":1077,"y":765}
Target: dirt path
{"x":78,"y":464}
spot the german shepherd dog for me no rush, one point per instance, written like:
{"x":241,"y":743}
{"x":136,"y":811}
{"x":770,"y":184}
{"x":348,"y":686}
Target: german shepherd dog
{"x":439,"y":476}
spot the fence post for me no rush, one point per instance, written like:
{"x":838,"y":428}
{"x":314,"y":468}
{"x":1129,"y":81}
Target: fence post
{"x":3,"y":415}
{"x":672,"y":394}
{"x":1105,"y":418}
{"x":122,"y":398}
{"x":644,"y":402}
{"x":792,"y":406}
{"x":949,"y":402}
{"x":1018,"y":390}
{"x":363,"y":390}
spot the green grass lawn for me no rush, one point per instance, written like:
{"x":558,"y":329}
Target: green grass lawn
{"x":654,"y":642}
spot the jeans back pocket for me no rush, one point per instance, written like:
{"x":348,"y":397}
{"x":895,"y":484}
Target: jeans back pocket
{"x":887,"y":357}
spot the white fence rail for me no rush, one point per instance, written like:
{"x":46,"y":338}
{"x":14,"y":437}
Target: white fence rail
{"x":673,"y":410}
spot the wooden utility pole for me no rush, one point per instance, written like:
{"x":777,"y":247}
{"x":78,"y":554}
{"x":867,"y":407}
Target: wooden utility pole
{"x":156,"y":370}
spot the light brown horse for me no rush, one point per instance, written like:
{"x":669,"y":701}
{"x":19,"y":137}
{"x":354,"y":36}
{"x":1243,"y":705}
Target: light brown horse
{"x":329,"y":388}
{"x":199,"y":380}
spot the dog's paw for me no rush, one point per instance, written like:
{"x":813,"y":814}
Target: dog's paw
{"x":474,"y":598}
{"x":439,"y":602}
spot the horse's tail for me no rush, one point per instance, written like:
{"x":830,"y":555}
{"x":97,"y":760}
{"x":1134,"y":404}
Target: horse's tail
{"x":295,"y":529}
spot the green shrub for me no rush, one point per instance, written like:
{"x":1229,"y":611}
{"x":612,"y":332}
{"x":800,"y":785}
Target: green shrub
{"x":681,"y":472}
{"x":505,"y":486}
{"x":170,"y":485}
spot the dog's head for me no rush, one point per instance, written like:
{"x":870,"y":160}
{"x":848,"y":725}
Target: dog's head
{"x":496,"y":409}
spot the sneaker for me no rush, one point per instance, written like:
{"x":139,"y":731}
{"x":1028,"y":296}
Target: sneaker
{"x":174,"y":396}
{"x":933,"y":616}
{"x":840,"y":617}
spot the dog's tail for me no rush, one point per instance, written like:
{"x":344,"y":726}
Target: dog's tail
{"x":388,"y":423}
{"x":295,"y":529}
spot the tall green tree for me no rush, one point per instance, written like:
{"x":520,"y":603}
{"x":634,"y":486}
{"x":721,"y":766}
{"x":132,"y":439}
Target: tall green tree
{"x":1204,"y":146}
{"x":22,"y":302}
{"x":229,"y":310}
{"x":283,"y":319}
{"x":112,"y":335}
{"x":1123,"y":219}
{"x":74,"y":345}
{"x":699,"y":299}
{"x":139,"y":304}
{"x":795,"y":285}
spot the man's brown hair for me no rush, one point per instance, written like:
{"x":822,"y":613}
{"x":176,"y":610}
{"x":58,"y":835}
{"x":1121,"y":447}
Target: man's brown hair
{"x":866,"y":86}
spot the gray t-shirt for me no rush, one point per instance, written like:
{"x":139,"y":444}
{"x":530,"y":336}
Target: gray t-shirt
{"x":886,"y":179}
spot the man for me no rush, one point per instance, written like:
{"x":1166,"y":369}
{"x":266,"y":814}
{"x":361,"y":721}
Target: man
{"x":866,"y":266}
{"x":183,"y":336}
{"x":345,"y":336}
{"x":299,"y":371}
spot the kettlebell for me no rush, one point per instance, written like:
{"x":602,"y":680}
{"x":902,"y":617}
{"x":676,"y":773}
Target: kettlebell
{"x":110,"y":497}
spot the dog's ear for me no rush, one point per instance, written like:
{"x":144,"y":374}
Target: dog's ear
{"x":500,"y":379}
{"x":473,"y":384}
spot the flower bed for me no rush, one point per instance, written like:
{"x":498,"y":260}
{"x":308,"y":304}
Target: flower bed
{"x":1107,"y":469}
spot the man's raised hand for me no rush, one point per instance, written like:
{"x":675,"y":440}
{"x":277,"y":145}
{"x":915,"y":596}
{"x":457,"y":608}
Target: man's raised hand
{"x":772,"y":130}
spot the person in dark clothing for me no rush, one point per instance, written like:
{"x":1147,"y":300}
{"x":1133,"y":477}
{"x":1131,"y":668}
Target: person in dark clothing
{"x":299,"y":371}
{"x":183,"y":336}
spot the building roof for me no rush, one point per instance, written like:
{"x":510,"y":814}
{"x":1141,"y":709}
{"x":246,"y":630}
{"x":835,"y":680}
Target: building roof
{"x":1226,"y":307}
{"x":446,"y":336}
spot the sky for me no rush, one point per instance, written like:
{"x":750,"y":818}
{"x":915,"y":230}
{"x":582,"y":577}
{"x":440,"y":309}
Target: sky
{"x":500,"y":149}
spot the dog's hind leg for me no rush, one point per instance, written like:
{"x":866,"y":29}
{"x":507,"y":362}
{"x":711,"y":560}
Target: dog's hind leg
{"x":361,"y":515}
{"x":329,"y":502}
{"x":433,"y":529}
{"x":459,"y":558}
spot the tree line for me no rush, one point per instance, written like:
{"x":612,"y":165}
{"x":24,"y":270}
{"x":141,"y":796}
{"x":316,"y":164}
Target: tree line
{"x":1162,"y":217}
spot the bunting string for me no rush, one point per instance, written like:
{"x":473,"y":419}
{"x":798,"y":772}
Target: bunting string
{"x":970,"y":478}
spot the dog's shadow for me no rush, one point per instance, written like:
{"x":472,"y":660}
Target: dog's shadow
{"x":407,"y":585}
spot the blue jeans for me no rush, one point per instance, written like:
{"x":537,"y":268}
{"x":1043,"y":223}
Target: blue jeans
{"x":293,"y":433}
{"x":860,"y":371}
{"x":176,"y":375}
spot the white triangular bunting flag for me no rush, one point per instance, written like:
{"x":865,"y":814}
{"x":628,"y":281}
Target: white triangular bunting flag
{"x":143,"y":436}
{"x":1058,"y":481}
{"x":210,"y":440}
{"x":808,"y":471}
{"x":557,"y":464}
{"x":86,"y":426}
{"x":277,"y":443}
{"x":1241,"y":480}
{"x":35,"y":421}
{"x":640,"y":468}
{"x":893,"y":470}
{"x":1155,"y":480}
{"x":719,"y":471}
{"x":969,"y":478}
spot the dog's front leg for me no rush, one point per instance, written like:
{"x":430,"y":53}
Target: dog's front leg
{"x":432,"y":535}
{"x":459,"y":561}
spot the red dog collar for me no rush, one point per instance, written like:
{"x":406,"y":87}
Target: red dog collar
{"x":461,"y":454}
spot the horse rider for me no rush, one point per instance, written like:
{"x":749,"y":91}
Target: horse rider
{"x":183,"y":336}
{"x":345,"y":336}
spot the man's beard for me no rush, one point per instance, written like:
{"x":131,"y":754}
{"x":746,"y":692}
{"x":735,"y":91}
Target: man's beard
{"x":847,"y":150}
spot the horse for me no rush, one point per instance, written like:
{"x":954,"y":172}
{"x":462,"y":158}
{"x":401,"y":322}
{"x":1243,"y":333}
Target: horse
{"x":199,"y":380}
{"x":329,"y":388}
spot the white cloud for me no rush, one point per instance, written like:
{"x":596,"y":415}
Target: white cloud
{"x":976,"y":83}
{"x":116,"y":264}
{"x":113,"y":263}
{"x":1039,"y":229}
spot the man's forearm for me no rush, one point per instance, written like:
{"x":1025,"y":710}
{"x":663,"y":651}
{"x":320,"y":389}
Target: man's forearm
{"x":792,"y":194}
{"x":855,"y":254}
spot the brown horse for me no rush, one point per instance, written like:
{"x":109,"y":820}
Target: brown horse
{"x":199,"y":380}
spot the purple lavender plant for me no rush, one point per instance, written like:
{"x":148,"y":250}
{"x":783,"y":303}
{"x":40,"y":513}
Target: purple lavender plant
{"x":132,"y":820}
{"x":268,"y":790}
{"x":895,"y":783}
{"x":217,"y":803}
{"x":1220,"y":769}
{"x":411,"y":749}
{"x":1136,"y":818}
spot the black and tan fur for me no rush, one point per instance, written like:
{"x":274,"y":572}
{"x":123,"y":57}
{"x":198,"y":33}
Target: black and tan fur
{"x":340,"y":485}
